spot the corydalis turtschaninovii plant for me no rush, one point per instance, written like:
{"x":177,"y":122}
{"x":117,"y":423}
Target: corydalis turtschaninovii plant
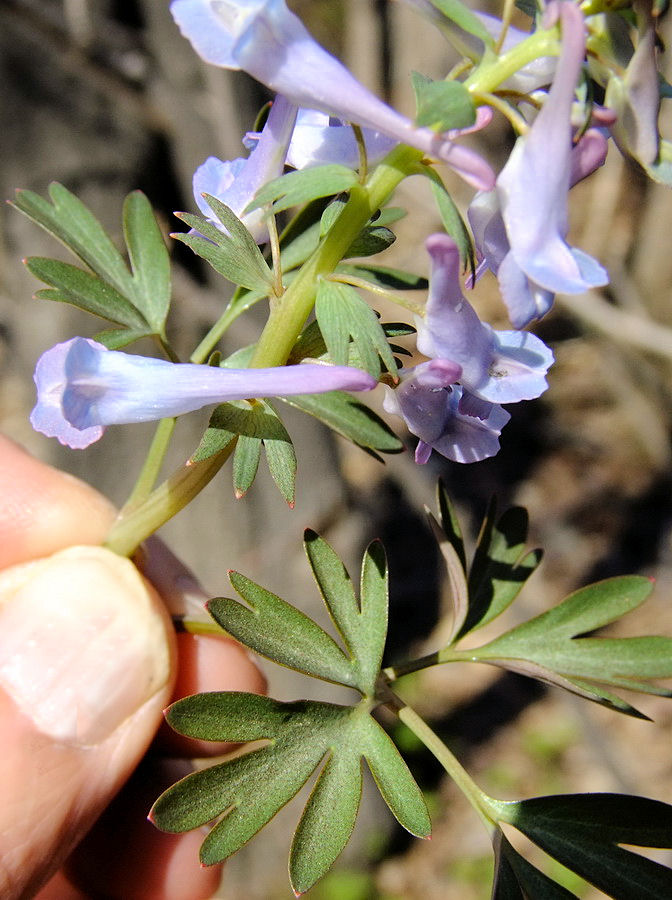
{"x":82,"y":387}
{"x":265,"y":39}
{"x":532,"y":191}
{"x":235,"y":182}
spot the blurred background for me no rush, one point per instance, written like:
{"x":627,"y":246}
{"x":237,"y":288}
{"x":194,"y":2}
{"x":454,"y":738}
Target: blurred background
{"x":105,"y":97}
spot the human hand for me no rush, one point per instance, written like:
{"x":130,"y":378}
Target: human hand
{"x":88,"y":661}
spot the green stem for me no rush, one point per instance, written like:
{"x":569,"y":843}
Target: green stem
{"x":152,"y":465}
{"x":486,"y":807}
{"x":133,"y":526}
{"x":417,"y":308}
{"x":289,"y":315}
{"x":214,"y":335}
{"x":439,"y":657}
{"x":489,"y":75}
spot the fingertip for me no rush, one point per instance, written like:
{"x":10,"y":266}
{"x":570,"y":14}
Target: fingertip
{"x":44,"y":510}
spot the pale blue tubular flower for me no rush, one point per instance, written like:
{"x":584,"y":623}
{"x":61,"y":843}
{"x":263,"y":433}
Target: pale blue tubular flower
{"x":265,"y":39}
{"x":82,"y":387}
{"x":431,"y":404}
{"x":525,"y":299}
{"x":497,"y":366}
{"x":533,"y":185}
{"x":235,"y":182}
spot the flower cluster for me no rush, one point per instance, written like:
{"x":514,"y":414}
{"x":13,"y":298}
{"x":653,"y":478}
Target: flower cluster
{"x":453,"y":401}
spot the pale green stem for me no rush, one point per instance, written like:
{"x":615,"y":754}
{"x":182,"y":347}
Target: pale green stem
{"x":152,"y":465}
{"x":484,"y":805}
{"x":289,"y":316}
{"x":417,"y":308}
{"x":498,"y":103}
{"x":215,"y":334}
{"x":439,"y":657}
{"x":275,"y":255}
{"x":489,"y":75}
{"x":507,"y":14}
{"x":133,"y":526}
{"x":363,"y":158}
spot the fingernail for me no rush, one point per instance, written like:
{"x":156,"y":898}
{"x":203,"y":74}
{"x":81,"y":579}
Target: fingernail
{"x":82,"y":643}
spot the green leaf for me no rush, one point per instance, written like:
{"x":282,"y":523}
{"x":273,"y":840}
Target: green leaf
{"x":245,"y":464}
{"x":327,"y":821}
{"x":278,"y":631}
{"x":296,"y":188}
{"x":453,"y":222}
{"x":464,"y":18}
{"x":584,"y":832}
{"x":457,"y":579}
{"x":395,"y":782}
{"x":149,"y":258}
{"x":372,"y":239}
{"x":363,"y":628}
{"x":71,"y":223}
{"x":450,"y":524}
{"x":343,"y":316}
{"x":443,"y":105}
{"x":349,"y":418}
{"x":234,"y":254}
{"x":551,"y":644}
{"x":118,"y":338}
{"x":255,"y":425}
{"x":248,"y":790}
{"x":300,"y":248}
{"x":88,"y":292}
{"x":383,"y":276}
{"x":500,"y":567}
{"x":517,"y":879}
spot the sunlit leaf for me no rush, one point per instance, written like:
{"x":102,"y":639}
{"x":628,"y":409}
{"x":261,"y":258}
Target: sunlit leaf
{"x":149,"y":258}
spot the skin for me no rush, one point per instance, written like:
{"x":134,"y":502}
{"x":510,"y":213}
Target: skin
{"x":54,"y":790}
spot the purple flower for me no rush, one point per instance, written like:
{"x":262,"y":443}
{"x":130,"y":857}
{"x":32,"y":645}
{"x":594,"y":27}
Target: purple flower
{"x":82,"y":387}
{"x":496,"y":366}
{"x":525,"y":299}
{"x":235,"y":182}
{"x":431,"y":404}
{"x":532,"y":193}
{"x":265,"y":39}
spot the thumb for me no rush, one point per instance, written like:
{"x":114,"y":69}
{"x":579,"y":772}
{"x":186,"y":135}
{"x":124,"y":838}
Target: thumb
{"x":86,"y":662}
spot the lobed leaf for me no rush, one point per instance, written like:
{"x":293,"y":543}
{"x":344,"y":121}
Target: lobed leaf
{"x":550,"y":645}
{"x":499,"y":568}
{"x":234,"y":255}
{"x":363,"y":627}
{"x":585,"y":833}
{"x":278,"y":631}
{"x":343,"y":317}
